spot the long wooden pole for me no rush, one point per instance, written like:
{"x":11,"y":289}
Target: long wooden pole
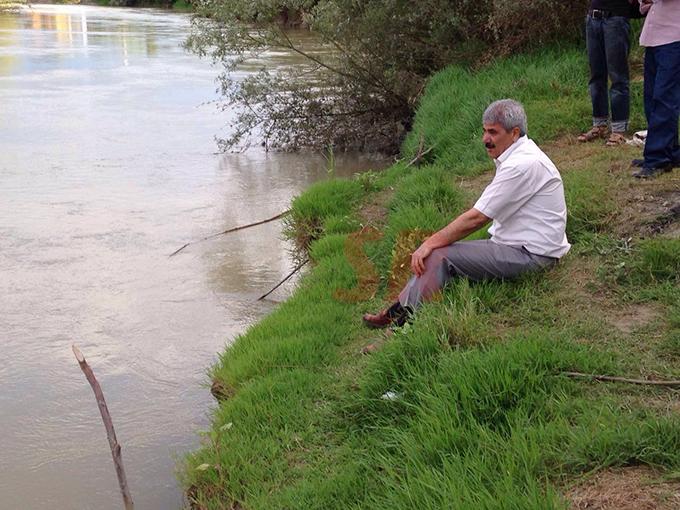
{"x":233,"y":229}
{"x":297,"y":268}
{"x":108,"y":423}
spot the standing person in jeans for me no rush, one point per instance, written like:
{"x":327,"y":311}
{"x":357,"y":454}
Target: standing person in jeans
{"x":661,"y":38}
{"x":608,"y":44}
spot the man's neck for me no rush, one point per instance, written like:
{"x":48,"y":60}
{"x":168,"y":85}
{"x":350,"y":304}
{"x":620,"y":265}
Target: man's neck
{"x":506,"y":153}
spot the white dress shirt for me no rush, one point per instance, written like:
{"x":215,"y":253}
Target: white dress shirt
{"x":526,"y":201}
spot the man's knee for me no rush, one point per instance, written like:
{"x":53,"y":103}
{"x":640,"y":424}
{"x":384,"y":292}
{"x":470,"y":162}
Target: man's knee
{"x":436,"y":258}
{"x":453,"y":257}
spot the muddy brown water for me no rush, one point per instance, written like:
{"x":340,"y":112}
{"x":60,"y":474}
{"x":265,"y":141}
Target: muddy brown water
{"x":107,"y":165}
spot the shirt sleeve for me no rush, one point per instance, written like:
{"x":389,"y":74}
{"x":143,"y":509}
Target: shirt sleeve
{"x":507,"y":193}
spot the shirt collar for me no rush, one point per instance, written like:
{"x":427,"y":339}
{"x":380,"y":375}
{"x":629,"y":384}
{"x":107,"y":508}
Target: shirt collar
{"x":510,"y":150}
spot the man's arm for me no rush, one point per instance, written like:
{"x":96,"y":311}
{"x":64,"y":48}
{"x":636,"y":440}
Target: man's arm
{"x":468,"y":222}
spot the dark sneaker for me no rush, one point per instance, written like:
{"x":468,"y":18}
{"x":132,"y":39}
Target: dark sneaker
{"x":649,"y":172}
{"x":641,"y":162}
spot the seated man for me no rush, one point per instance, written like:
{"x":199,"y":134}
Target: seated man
{"x":526,"y":202}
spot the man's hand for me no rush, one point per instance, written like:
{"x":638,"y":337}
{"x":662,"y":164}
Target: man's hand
{"x":645,"y":6}
{"x":418,"y":259}
{"x":465,"y":224}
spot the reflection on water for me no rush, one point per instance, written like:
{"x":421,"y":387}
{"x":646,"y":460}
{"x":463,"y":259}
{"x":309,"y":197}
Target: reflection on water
{"x":107,"y":165}
{"x":70,"y":27}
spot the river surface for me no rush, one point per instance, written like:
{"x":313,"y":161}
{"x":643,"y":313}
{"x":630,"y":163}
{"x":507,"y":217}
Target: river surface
{"x":107,"y":165}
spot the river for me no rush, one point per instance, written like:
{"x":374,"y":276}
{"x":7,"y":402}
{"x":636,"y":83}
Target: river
{"x":107,"y":165}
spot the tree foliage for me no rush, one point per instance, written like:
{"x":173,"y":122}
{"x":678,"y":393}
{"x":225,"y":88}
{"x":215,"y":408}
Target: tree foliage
{"x":11,"y":5}
{"x":359,"y":87}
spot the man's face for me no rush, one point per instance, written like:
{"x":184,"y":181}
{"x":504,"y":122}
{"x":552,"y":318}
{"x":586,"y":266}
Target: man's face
{"x":496,"y":139}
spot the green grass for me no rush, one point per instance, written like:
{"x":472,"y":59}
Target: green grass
{"x":326,"y":207}
{"x":182,"y":6}
{"x":659,"y":259}
{"x":483,"y":417}
{"x":552,"y":85}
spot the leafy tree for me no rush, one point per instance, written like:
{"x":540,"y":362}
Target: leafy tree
{"x":358,"y":89}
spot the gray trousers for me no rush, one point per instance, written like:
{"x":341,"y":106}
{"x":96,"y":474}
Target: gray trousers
{"x":476,"y":260}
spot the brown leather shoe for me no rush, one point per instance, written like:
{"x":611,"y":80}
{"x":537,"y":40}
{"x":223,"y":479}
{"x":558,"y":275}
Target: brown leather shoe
{"x":595,"y":133}
{"x":378,"y":320}
{"x":395,"y":315}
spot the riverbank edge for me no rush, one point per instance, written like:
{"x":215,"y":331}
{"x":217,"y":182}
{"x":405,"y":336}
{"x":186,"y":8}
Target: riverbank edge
{"x":466,"y":407}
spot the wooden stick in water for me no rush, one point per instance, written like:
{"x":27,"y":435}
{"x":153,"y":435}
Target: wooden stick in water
{"x":297,"y":268}
{"x":229,"y":230}
{"x":108,"y":423}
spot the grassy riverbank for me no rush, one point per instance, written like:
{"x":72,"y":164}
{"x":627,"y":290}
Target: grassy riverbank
{"x":467,"y":407}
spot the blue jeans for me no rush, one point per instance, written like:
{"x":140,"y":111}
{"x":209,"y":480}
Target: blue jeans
{"x":662,"y":104}
{"x":608,"y":44}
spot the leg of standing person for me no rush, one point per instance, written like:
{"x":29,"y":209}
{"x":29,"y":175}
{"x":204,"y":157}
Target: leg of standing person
{"x":662,"y":109}
{"x":617,"y":47}
{"x":597,"y":86}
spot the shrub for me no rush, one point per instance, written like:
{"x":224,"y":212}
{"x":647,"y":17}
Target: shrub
{"x":379,"y":55}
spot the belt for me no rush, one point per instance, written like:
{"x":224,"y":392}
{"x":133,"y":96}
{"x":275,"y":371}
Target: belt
{"x":599,"y":14}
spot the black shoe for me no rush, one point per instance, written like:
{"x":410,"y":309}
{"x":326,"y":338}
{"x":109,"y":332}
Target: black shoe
{"x":649,"y":172}
{"x":639,"y":163}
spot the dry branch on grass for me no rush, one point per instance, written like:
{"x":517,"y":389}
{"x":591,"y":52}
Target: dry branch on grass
{"x":611,"y":378}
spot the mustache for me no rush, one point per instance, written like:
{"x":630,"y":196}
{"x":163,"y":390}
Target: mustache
{"x":490,"y":145}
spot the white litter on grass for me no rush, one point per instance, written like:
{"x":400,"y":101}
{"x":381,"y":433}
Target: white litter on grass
{"x":638,"y":139}
{"x":391,"y":396}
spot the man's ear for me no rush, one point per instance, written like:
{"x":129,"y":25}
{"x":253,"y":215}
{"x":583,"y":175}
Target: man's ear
{"x":516,"y":133}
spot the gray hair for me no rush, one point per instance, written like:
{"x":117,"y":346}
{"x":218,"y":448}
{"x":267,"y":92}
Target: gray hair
{"x":508,"y":113}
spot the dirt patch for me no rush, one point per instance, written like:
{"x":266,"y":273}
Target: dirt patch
{"x":632,"y":317}
{"x":633,"y":488}
{"x":568,"y":154}
{"x":649,"y":210}
{"x":664,"y":404}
